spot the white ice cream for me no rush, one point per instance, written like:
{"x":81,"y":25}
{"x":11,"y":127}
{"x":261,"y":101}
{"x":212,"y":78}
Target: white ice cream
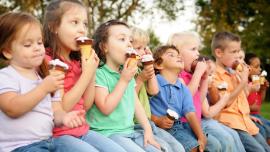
{"x":172,"y":113}
{"x":57,"y":62}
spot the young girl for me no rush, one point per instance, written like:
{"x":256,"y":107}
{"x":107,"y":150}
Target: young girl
{"x":26,"y":114}
{"x":116,"y":101}
{"x":64,"y":22}
{"x":256,"y":96}
{"x":197,"y":82}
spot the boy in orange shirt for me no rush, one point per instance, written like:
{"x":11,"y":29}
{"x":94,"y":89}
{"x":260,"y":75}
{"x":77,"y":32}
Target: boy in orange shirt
{"x":226,"y":47}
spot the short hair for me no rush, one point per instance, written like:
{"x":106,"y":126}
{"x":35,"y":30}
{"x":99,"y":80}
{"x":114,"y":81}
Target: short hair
{"x":140,"y":35}
{"x":158,"y":52}
{"x":181,"y":38}
{"x":221,"y":39}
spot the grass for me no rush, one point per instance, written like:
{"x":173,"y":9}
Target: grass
{"x":265,"y":111}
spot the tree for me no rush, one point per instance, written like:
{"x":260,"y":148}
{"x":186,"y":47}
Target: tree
{"x":249,"y":19}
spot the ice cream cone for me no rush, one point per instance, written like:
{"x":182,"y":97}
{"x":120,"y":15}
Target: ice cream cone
{"x":133,"y":57}
{"x":85,"y":45}
{"x":57,"y":66}
{"x":147,"y":59}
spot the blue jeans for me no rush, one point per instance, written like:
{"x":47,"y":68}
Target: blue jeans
{"x":133,"y":142}
{"x":64,"y":143}
{"x":165,"y":139}
{"x":265,"y":128}
{"x":223,"y":135}
{"x":237,"y":146}
{"x":253,"y":143}
{"x":99,"y":141}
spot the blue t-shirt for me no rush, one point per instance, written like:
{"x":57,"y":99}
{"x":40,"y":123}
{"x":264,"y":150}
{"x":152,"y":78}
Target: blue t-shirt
{"x":171,"y":96}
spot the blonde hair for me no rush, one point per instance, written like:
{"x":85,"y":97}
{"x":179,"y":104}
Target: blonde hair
{"x":140,"y":35}
{"x":181,"y":38}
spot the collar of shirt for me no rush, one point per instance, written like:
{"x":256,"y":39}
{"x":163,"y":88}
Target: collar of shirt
{"x":164,"y":82}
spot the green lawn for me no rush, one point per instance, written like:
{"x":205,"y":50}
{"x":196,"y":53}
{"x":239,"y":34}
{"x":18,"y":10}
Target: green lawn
{"x":266,"y":110}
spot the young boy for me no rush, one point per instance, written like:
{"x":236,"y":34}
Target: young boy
{"x":146,"y":83}
{"x":175,"y":96}
{"x":226,"y":47}
{"x":195,"y":76}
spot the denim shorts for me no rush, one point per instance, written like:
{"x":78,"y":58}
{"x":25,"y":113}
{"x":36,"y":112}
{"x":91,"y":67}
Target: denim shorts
{"x":184,"y":134}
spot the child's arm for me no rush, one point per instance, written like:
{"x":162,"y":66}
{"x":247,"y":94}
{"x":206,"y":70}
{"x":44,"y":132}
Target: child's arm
{"x":147,"y":75}
{"x":196,"y":77}
{"x":254,"y":107}
{"x":244,"y":81}
{"x":211,"y":111}
{"x":263,"y":89}
{"x":71,"y":119}
{"x":107,"y":102}
{"x":72,"y":97}
{"x":195,"y":126}
{"x":141,"y":117}
{"x":15,"y":105}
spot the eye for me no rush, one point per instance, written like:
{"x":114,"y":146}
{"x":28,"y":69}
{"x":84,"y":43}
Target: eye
{"x":40,"y":42}
{"x":74,"y":22}
{"x":27,"y":45}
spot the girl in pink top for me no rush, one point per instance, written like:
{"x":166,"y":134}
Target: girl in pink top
{"x":65,"y":21}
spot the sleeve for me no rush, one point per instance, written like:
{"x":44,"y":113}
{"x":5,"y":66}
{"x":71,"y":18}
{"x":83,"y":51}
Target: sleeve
{"x":101,"y":79}
{"x":8,"y":83}
{"x":188,"y":105}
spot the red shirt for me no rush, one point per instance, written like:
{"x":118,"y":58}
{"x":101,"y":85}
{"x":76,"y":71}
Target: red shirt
{"x":71,"y":77}
{"x":255,"y":98}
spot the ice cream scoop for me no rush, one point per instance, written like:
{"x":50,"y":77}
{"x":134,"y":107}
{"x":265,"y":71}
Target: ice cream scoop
{"x":172,"y":114}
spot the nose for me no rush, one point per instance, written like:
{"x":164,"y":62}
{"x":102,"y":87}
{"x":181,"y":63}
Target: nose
{"x":82,"y":29}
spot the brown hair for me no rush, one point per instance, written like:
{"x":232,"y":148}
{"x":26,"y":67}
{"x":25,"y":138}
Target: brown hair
{"x":221,"y":39}
{"x":101,"y":37}
{"x":52,"y":19}
{"x":158,"y":52}
{"x":10,"y":24}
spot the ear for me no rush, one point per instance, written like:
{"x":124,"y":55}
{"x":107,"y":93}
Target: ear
{"x":218,"y":52}
{"x":7,"y":54}
{"x":158,"y":66}
{"x":103,"y":47}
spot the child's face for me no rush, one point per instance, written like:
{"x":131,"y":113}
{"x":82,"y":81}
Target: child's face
{"x":139,"y":46}
{"x":230,"y":54}
{"x":190,"y":52}
{"x":73,"y":24}
{"x":171,"y":59}
{"x":27,"y":49}
{"x":255,"y":66}
{"x":118,"y":42}
{"x":241,"y":56}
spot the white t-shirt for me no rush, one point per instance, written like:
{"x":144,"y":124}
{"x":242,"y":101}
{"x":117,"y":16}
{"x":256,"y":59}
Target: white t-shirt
{"x":33,"y":126}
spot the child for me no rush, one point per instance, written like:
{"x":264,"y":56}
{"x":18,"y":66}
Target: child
{"x":175,"y":96}
{"x":116,"y":100}
{"x":257,"y":96}
{"x":64,"y":22}
{"x":196,"y":78}
{"x":226,"y":47}
{"x":27,"y":114}
{"x":146,"y":83}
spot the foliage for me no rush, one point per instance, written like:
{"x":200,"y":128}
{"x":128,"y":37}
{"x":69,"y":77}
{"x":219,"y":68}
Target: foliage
{"x":249,"y":19}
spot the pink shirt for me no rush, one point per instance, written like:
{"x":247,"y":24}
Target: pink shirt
{"x":71,"y":77}
{"x":196,"y":98}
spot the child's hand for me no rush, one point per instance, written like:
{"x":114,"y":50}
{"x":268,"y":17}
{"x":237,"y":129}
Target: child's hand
{"x":74,"y":119}
{"x":256,"y":120}
{"x":244,"y":74}
{"x":53,"y":82}
{"x":149,"y":139}
{"x":148,"y":51}
{"x":254,"y":87}
{"x":201,"y":68}
{"x":265,"y":85}
{"x":91,"y":63}
{"x":128,"y":72}
{"x":147,"y":73}
{"x":164,"y":122}
{"x":225,"y":97}
{"x":202,"y":143}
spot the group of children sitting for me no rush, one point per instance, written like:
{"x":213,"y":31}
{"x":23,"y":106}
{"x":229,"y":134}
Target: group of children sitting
{"x":107,"y":101}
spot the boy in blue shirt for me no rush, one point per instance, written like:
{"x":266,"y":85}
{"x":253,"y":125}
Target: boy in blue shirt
{"x":175,"y":96}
